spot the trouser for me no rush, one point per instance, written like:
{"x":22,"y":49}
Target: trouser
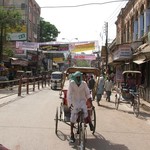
{"x":108,"y":93}
{"x":99,"y":96}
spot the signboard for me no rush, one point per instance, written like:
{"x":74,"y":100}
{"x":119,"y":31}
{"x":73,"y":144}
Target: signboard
{"x":19,"y":62}
{"x":27,"y":45}
{"x":20,"y":52}
{"x":119,"y":76}
{"x":54,"y":47}
{"x":84,"y":57}
{"x":58,"y":60}
{"x":80,"y":47}
{"x":122,"y":53}
{"x":17,"y":36}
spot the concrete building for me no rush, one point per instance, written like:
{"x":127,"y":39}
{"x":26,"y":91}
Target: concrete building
{"x":29,"y":32}
{"x":131,"y":49}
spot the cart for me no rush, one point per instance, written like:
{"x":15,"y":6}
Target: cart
{"x":63,"y":112}
{"x":127,"y":93}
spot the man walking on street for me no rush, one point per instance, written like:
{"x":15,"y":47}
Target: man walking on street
{"x":91,"y":84}
{"x":100,"y":89}
{"x":108,"y":87}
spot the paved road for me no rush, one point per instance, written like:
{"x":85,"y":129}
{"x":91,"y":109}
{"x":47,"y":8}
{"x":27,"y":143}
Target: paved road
{"x":27,"y":123}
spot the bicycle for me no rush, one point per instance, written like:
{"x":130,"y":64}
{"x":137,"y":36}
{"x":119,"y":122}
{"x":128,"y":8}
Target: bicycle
{"x":80,"y":128}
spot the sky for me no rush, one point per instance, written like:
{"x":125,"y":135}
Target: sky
{"x":85,"y":22}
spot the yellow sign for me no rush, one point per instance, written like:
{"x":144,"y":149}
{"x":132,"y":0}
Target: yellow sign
{"x":58,"y":60}
{"x":84,"y":47}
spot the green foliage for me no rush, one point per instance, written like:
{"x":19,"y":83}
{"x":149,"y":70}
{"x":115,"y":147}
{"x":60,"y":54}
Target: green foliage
{"x":9,"y":18}
{"x":8,"y":52}
{"x":48,"y":32}
{"x":82,"y":63}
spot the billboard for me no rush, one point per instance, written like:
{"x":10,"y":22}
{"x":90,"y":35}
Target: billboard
{"x":84,"y":57}
{"x":54,"y":47}
{"x":80,"y":47}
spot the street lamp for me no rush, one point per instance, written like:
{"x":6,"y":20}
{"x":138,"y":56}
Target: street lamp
{"x":69,"y":55}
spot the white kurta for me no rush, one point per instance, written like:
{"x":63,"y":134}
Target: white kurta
{"x":77,"y":96}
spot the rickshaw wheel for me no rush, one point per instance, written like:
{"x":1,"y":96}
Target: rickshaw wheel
{"x":82,"y":137}
{"x":56,"y":121}
{"x":116,"y":102}
{"x":93,"y":119}
{"x":136,"y":106}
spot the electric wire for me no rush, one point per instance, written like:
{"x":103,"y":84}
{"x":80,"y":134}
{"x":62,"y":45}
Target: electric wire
{"x":81,"y":5}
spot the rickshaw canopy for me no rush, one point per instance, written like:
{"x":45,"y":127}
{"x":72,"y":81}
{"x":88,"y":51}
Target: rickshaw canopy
{"x":93,"y":70}
{"x":131,"y":71}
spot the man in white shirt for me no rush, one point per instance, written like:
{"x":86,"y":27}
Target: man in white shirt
{"x":78,"y":95}
{"x":108,"y":87}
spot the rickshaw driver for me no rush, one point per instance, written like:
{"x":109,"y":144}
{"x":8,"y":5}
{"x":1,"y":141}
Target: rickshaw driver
{"x":78,"y":96}
{"x":131,"y":82}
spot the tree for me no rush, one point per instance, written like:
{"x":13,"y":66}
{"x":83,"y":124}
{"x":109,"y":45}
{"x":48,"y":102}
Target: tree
{"x":82,"y":63}
{"x":48,"y":31}
{"x":9,"y":19}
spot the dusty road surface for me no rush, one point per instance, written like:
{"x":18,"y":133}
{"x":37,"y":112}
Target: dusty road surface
{"x":27,"y":123}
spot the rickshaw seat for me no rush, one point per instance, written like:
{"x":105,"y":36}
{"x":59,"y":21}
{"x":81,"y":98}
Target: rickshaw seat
{"x":65,"y":97}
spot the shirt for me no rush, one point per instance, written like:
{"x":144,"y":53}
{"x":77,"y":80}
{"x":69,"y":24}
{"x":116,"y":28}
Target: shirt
{"x":78,"y":95}
{"x":91,"y":83}
{"x":100,"y":88}
{"x":108,"y":85}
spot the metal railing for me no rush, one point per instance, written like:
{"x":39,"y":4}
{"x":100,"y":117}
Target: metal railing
{"x":23,"y":85}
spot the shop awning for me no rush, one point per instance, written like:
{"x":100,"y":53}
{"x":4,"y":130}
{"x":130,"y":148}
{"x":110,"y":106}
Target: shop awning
{"x":140,"y":61}
{"x":146,"y":49}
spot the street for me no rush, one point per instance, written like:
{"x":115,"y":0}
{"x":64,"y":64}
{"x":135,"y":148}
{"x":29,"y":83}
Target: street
{"x":27,"y":123}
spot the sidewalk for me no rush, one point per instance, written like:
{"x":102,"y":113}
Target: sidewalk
{"x":145,"y":105}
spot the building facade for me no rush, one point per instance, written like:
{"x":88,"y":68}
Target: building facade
{"x":131,"y":50}
{"x":29,"y":32}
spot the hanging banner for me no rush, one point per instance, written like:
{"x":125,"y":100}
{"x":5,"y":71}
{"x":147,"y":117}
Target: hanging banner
{"x":54,"y":47}
{"x":27,"y":45}
{"x":84,"y":57}
{"x":80,"y":47}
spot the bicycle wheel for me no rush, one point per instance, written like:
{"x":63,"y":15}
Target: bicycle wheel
{"x":136,"y":106}
{"x":56,"y":121}
{"x":82,"y":131}
{"x":93,"y":119}
{"x":116,"y":101}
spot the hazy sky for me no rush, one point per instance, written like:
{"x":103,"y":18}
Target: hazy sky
{"x":85,"y":23}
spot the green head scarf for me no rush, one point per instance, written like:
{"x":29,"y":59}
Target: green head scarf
{"x":77,"y":80}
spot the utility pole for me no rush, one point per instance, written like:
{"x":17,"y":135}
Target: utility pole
{"x":1,"y":39}
{"x":106,"y":43}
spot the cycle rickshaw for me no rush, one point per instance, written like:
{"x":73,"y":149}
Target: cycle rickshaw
{"x":127,"y":94}
{"x":63,"y":112}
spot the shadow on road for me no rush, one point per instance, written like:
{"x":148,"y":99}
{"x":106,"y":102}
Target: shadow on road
{"x":100,"y":143}
{"x":142,"y":115}
{"x":107,"y":107}
{"x":96,"y":142}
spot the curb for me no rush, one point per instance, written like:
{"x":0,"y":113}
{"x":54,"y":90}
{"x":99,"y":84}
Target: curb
{"x":145,"y":107}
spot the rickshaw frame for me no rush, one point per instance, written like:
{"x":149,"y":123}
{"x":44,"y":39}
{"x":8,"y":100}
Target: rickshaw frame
{"x":134,"y":100}
{"x":86,"y":70}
